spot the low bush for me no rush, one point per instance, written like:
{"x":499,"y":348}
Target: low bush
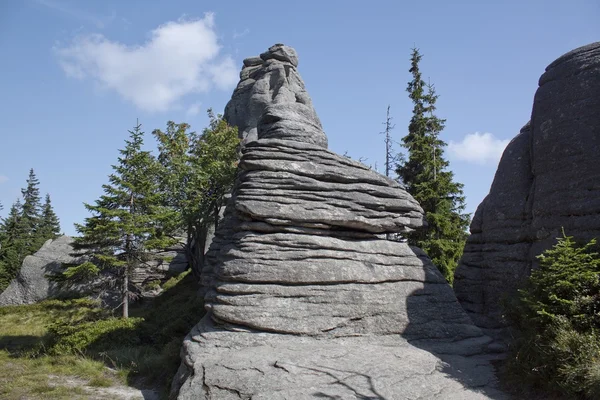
{"x":147,"y":345}
{"x":94,"y":336}
{"x":557,"y":317}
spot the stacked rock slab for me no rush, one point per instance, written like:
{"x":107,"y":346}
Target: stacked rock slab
{"x":548,"y":179}
{"x":306,"y":298}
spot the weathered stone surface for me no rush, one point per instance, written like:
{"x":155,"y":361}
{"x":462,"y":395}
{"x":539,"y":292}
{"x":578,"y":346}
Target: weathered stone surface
{"x":162,"y":263}
{"x":548,"y":178}
{"x":31,"y":284}
{"x":305,"y":297}
{"x":271,"y":89}
{"x":252,"y":365}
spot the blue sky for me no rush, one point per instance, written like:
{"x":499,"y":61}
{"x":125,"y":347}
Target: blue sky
{"x":75,"y":75}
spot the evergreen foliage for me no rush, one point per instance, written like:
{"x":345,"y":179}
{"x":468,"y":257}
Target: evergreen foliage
{"x":12,"y":248}
{"x":197,"y":172}
{"x":49,"y":222}
{"x":427,"y":179}
{"x":31,"y":213}
{"x":24,"y":231}
{"x":126,"y":223}
{"x":146,"y":345}
{"x":557,"y":316}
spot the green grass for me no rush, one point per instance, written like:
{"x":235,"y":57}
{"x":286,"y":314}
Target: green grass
{"x":78,"y":339}
{"x":41,"y":377}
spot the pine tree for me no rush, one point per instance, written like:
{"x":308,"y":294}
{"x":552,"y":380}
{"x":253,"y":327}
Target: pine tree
{"x":197,"y":172}
{"x":49,"y":223}
{"x":427,"y":179}
{"x":31,"y":214}
{"x":13,"y":246}
{"x":126,"y":221}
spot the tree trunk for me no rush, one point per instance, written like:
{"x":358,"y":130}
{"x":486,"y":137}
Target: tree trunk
{"x":197,"y":251}
{"x":126,"y":292}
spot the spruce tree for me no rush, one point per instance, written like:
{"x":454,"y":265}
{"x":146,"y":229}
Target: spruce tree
{"x":126,"y":221}
{"x":49,"y":223}
{"x":13,"y":247}
{"x":31,"y":214}
{"x":556,"y":343}
{"x":427,"y":179}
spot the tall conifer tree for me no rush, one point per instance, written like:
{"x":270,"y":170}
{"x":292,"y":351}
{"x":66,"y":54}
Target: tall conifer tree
{"x":13,"y":245}
{"x":427,"y":179}
{"x":49,"y":222}
{"x":31,"y":214}
{"x":126,"y":221}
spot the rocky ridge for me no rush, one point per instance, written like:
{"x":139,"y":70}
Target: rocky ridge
{"x":548,"y":179}
{"x":305,"y":297}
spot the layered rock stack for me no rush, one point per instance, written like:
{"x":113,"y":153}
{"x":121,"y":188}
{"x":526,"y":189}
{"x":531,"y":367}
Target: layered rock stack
{"x":548,"y":179}
{"x":305,"y":297}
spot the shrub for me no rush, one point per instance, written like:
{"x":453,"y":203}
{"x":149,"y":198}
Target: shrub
{"x":93,"y":336}
{"x":557,"y":316}
{"x":152,"y":285}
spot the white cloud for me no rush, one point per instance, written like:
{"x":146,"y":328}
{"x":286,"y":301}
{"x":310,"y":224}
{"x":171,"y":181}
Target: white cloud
{"x":3,"y":178}
{"x":180,"y":58}
{"x":478,"y":148}
{"x":194,"y":109}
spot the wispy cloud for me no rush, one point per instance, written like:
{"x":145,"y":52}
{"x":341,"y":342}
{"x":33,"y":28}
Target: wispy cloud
{"x":181,"y":57}
{"x":194,"y":109}
{"x":3,"y":178}
{"x":478,"y":148}
{"x":237,"y":35}
{"x":64,"y":8}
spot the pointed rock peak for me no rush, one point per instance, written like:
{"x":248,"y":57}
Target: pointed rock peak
{"x":281,"y":52}
{"x":271,"y":101}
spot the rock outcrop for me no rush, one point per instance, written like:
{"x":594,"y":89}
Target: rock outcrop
{"x":305,"y":297}
{"x":31,"y":284}
{"x":166,"y":262}
{"x":548,"y":179}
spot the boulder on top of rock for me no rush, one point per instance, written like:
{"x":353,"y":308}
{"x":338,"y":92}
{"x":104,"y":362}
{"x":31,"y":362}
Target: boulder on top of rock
{"x":305,"y":297}
{"x":266,"y":81}
{"x":548,"y":179}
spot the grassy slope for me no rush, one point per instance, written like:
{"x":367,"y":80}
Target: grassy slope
{"x":30,"y":368}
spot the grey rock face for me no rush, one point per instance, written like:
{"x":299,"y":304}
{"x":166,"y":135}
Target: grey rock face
{"x":306,"y":299}
{"x":548,"y":178}
{"x":272,"y":82}
{"x":163,"y":263}
{"x":31,"y":284}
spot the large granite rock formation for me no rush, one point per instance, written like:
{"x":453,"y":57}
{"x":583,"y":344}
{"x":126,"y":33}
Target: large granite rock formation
{"x":31,"y":284}
{"x":548,"y":179}
{"x":305,"y":297}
